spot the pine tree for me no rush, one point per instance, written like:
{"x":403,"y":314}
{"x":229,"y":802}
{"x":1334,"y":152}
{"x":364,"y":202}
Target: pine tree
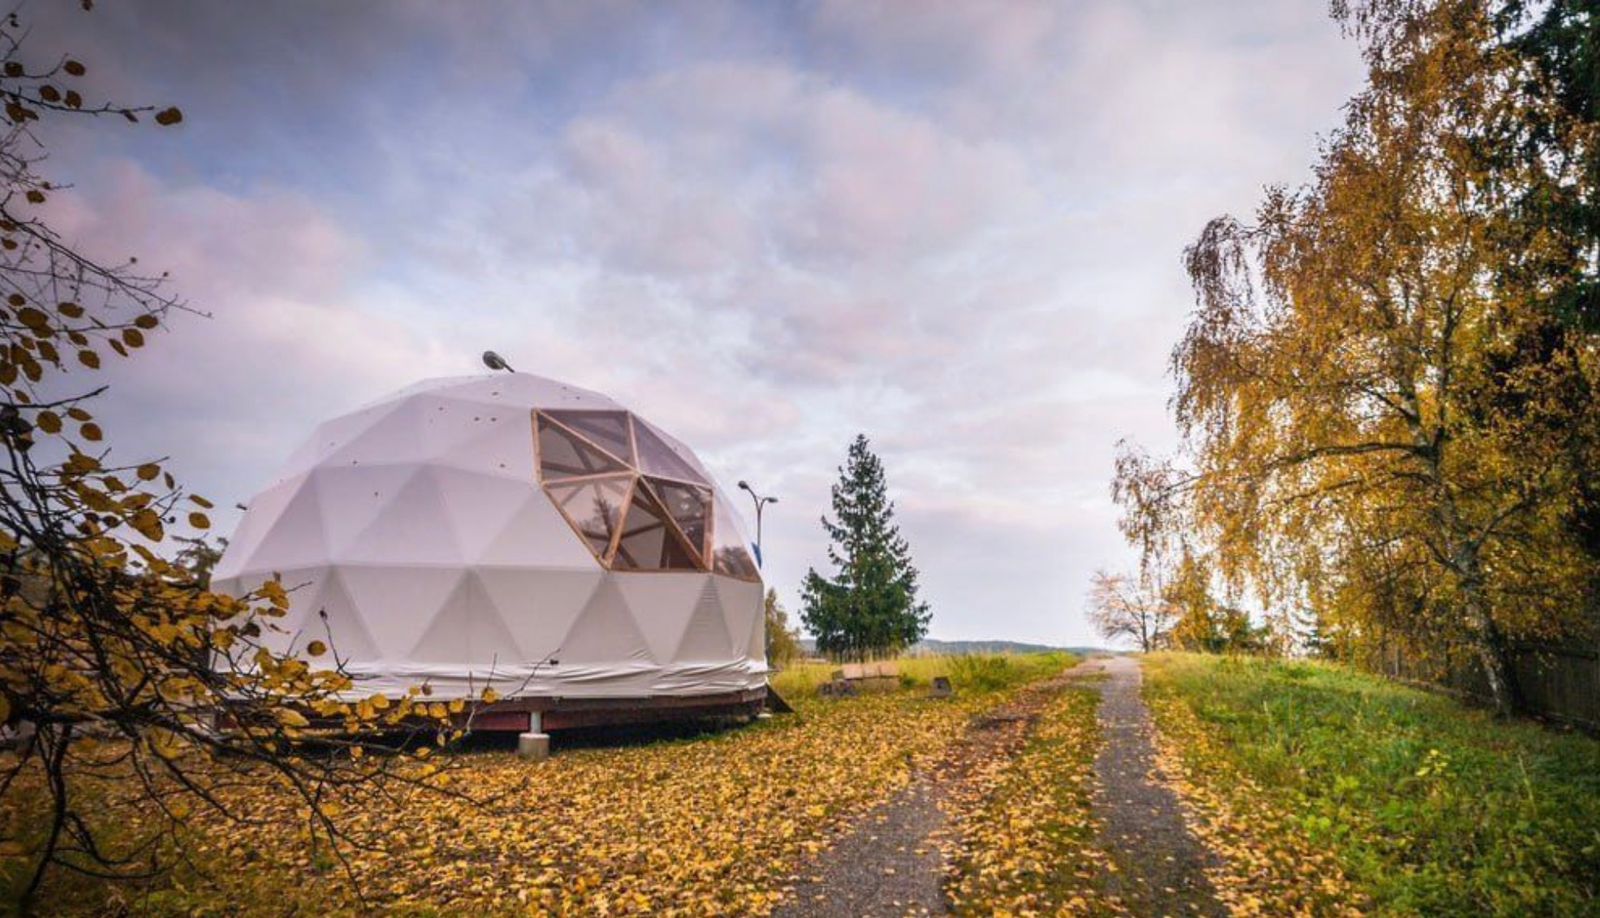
{"x":870,"y":606}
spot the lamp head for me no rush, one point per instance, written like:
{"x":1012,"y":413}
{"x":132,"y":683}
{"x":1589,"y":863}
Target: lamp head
{"x":495,"y":362}
{"x":744,"y":485}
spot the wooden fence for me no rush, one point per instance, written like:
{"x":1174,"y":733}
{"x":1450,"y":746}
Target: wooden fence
{"x":1557,"y":682}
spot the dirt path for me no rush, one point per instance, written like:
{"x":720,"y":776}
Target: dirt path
{"x":888,"y":866}
{"x":891,"y":863}
{"x":1160,"y":865}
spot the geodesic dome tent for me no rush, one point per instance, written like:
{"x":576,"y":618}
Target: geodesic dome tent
{"x":465,"y":532}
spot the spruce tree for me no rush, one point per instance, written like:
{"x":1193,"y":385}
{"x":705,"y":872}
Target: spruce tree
{"x":869,"y":608}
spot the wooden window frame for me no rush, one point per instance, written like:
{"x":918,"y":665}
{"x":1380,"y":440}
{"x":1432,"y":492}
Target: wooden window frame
{"x":703,"y":557}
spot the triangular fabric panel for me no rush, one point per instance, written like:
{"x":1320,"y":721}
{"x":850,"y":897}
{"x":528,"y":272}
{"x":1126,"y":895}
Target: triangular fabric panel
{"x":447,"y":423}
{"x":413,"y":528}
{"x":395,"y":437}
{"x":705,"y":637}
{"x":491,"y":440}
{"x":258,"y":521}
{"x":662,"y":605}
{"x":743,"y":603}
{"x":295,"y":538}
{"x":540,"y":606}
{"x":481,"y":506}
{"x":605,"y":631}
{"x":535,"y":534}
{"x":468,"y":629}
{"x":352,"y":496}
{"x":607,"y":429}
{"x":756,"y":646}
{"x":335,"y":619}
{"x":331,"y":435}
{"x":399,"y":602}
{"x":522,"y":389}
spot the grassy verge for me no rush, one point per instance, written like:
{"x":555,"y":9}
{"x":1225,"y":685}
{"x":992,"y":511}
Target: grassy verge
{"x":1023,"y":829}
{"x":1328,"y":790}
{"x":709,"y":825}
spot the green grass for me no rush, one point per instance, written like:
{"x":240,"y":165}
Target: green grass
{"x":1430,"y":808}
{"x":971,"y":673}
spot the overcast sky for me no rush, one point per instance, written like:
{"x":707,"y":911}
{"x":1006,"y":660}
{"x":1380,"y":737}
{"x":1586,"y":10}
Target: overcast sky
{"x":955,"y":227}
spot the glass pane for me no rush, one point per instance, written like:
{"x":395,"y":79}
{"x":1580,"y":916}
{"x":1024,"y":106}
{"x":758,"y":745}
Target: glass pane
{"x":608,"y":430}
{"x":594,"y":507}
{"x":657,"y":458}
{"x":690,"y":508}
{"x":734,"y":561}
{"x":731,"y":557}
{"x":677,"y":558}
{"x":643,"y":538}
{"x":648,"y":540}
{"x":561,"y":455}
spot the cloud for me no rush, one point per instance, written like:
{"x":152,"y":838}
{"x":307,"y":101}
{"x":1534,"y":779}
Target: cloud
{"x":226,"y":394}
{"x":943,"y":43}
{"x":955,"y":227}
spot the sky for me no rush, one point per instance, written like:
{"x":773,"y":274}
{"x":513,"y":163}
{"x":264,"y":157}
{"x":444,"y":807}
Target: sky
{"x":954,"y":227}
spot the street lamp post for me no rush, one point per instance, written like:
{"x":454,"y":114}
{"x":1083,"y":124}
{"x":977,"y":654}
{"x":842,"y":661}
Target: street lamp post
{"x":760,"y":502}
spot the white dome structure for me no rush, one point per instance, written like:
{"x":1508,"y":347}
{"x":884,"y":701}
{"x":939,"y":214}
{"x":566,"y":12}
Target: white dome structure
{"x":508,"y":530}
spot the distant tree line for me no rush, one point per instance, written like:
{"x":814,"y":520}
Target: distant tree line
{"x":1386,"y":397}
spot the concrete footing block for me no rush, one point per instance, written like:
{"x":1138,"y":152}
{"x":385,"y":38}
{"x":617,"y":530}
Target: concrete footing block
{"x":533,"y":746}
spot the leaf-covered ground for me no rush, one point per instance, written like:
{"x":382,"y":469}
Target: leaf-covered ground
{"x":1328,"y":792}
{"x":710,"y":825}
{"x":1000,"y":825}
{"x":1022,"y":832}
{"x":1323,"y":792}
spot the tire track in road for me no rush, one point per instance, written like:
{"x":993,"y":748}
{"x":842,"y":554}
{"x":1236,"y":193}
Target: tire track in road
{"x":1161,"y":865}
{"x":892,"y":862}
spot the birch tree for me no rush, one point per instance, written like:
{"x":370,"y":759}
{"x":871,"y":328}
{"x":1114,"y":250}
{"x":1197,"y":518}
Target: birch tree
{"x":1373,"y":416}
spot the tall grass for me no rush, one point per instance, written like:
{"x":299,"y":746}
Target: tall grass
{"x":1431,"y":808}
{"x":802,"y":678}
{"x":971,"y":672}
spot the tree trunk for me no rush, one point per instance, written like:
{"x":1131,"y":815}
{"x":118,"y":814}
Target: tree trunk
{"x":1489,"y":646}
{"x":1488,"y":643}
